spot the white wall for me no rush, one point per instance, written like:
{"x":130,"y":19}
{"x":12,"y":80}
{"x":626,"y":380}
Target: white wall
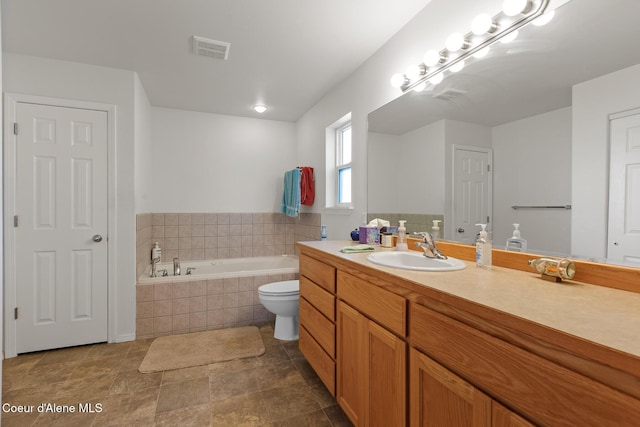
{"x":532,"y":166}
{"x":593,"y":101}
{"x":205,"y":162}
{"x":60,"y":79}
{"x":368,"y":89}
{"x":143,"y":149}
{"x":383,"y":163}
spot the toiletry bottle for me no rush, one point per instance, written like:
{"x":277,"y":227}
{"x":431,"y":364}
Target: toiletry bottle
{"x":483,"y":249}
{"x":401,"y":245}
{"x":435,"y":230}
{"x":323,"y":232}
{"x":156,"y":252}
{"x":516,"y":243}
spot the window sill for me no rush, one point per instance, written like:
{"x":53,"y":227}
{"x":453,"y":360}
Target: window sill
{"x":338,"y":211}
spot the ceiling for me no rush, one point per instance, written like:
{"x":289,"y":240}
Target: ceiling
{"x":532,"y":75}
{"x":286,"y":54}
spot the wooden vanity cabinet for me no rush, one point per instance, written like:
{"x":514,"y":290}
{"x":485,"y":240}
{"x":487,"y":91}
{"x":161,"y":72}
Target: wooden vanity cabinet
{"x":317,"y":318}
{"x":371,"y":359}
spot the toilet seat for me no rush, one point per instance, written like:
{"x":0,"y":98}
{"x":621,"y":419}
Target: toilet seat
{"x":285,"y":288}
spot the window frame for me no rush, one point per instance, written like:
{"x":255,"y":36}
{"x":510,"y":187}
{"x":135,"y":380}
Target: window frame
{"x":340,"y":165}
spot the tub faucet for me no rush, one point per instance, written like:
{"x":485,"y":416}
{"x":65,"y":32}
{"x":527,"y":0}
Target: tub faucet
{"x":176,"y":267}
{"x":429,"y":246}
{"x":154,"y":266}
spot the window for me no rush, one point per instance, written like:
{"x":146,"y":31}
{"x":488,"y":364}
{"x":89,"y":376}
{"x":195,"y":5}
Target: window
{"x":343,"y":164}
{"x":339,"y":171}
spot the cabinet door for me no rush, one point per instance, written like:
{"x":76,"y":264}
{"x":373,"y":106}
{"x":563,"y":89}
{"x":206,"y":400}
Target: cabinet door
{"x":385,"y":377}
{"x":350,"y":392}
{"x":441,"y":398}
{"x":503,"y":417}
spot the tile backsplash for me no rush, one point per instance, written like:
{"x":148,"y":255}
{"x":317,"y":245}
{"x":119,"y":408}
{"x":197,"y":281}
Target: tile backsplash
{"x":213,"y":235}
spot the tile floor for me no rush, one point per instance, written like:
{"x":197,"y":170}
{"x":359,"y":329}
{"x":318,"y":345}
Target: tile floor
{"x":278,"y":388}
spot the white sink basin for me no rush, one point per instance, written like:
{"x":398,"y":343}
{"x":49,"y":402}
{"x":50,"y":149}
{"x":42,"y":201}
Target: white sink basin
{"x":413,"y":260}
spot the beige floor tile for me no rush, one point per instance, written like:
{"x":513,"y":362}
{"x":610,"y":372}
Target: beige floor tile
{"x":132,"y":381}
{"x":244,"y":410}
{"x":183,"y":394}
{"x":276,"y":389}
{"x":223,"y":386}
{"x":287,"y":402}
{"x":193,"y":416}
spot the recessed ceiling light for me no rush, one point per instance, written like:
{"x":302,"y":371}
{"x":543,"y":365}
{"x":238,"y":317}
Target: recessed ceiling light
{"x":260,"y":108}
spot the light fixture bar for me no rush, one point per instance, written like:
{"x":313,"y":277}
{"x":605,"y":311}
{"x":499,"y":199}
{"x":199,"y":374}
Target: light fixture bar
{"x":491,"y":39}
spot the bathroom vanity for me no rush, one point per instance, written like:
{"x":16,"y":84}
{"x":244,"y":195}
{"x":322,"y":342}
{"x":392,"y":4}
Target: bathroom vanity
{"x":498,"y":347}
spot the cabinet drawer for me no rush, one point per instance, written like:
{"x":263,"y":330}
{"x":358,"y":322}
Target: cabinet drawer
{"x":320,"y":361}
{"x":319,"y":272}
{"x":386,"y":308}
{"x":321,"y":328}
{"x":318,"y":297}
{"x":542,"y":391}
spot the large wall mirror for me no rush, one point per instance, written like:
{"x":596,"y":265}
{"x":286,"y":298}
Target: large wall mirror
{"x":524,"y":115}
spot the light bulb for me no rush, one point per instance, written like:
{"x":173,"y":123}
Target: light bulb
{"x":420,"y":87}
{"x":413,"y":72}
{"x":436,"y":79}
{"x":544,"y":19}
{"x":509,"y":37}
{"x":481,"y":53}
{"x":482,"y":23}
{"x":432,"y":57}
{"x":458,"y":66}
{"x":455,"y":42}
{"x":514,"y":7}
{"x":398,"y":80}
{"x":259,"y":108}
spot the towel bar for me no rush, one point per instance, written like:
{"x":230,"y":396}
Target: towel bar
{"x":516,"y":207}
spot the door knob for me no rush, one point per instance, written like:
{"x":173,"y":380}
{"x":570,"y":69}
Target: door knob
{"x":97,"y":238}
{"x":460,"y":230}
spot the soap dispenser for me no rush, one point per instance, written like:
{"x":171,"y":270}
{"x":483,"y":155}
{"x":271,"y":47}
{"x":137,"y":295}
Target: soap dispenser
{"x":401,"y":245}
{"x":483,"y":249}
{"x":516,"y":242}
{"x":435,"y":230}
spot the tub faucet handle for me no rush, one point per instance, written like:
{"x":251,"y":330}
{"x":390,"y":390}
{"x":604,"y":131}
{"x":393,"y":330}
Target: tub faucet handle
{"x":190,"y":269}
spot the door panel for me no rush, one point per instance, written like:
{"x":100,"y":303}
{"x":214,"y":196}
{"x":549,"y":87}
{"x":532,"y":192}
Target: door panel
{"x":624,"y":190}
{"x":471,"y":192}
{"x":61,"y":203}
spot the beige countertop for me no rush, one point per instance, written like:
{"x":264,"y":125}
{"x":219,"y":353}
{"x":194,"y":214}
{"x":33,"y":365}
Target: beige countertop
{"x":601,"y":315}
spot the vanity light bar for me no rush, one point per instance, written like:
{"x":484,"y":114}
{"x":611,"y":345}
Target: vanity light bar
{"x":503,"y":25}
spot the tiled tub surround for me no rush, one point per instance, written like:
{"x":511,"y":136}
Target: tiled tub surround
{"x":199,"y":236}
{"x":182,"y":305}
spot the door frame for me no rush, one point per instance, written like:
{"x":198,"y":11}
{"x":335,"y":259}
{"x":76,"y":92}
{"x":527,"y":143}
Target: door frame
{"x":451,"y":227}
{"x":11,"y":101}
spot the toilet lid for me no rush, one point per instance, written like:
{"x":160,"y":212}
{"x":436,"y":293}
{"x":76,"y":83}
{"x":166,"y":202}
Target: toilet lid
{"x":288,"y":287}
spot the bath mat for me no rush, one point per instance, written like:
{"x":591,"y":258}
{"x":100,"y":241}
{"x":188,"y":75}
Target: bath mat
{"x":202,"y":348}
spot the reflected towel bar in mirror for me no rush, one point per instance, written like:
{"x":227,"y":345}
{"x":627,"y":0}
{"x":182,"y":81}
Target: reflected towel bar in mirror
{"x":516,"y":207}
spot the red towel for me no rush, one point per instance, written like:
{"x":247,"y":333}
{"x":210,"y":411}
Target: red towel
{"x":307,"y":186}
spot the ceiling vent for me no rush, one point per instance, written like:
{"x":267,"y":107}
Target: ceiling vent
{"x":211,"y":48}
{"x":449,"y":93}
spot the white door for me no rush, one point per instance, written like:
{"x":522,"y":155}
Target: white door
{"x":471,"y":191}
{"x":624,"y":189}
{"x":61,"y":226}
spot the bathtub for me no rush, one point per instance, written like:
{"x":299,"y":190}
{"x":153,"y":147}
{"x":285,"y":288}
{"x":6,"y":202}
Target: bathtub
{"x":224,"y":268}
{"x":217,"y":294}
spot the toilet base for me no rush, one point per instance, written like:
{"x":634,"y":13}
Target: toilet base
{"x":286,"y":328}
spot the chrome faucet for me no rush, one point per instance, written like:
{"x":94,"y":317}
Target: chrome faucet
{"x":176,"y":267}
{"x":429,"y":246}
{"x":154,"y":266}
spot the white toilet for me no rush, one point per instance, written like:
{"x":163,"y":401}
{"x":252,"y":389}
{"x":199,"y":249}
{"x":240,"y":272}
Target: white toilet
{"x":281,"y":299}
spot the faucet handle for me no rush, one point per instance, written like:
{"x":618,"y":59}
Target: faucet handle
{"x":426,"y":236}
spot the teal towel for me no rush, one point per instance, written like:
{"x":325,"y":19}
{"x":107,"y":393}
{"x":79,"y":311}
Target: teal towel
{"x":357,"y":248}
{"x":291,"y":194}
